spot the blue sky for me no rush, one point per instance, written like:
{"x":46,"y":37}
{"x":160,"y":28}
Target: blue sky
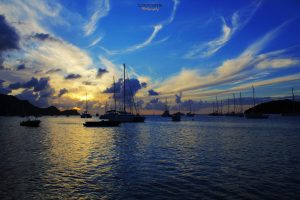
{"x":198,"y":49}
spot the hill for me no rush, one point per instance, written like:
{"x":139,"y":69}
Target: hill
{"x":12,"y":106}
{"x":276,"y":107}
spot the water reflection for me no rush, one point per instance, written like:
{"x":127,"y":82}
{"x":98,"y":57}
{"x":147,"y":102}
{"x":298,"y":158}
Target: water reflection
{"x":205,"y":158}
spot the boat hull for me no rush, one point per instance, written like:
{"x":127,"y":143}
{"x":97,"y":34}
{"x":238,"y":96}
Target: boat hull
{"x":30,"y":123}
{"x":101,"y":124}
{"x":176,"y":118}
{"x":124,"y":118}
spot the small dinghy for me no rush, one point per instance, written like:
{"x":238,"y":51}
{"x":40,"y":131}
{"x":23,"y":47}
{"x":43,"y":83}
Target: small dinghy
{"x":31,"y":123}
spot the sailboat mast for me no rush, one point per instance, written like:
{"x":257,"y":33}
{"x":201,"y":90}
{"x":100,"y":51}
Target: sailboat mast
{"x":241,"y":105}
{"x":253,"y":95}
{"x":115,"y":94}
{"x":227,"y":105}
{"x":233,"y":102}
{"x":86,"y":107}
{"x":166,"y":104}
{"x":124,"y":100}
{"x":217,"y":104}
{"x":293,"y":94}
{"x":221,"y":109}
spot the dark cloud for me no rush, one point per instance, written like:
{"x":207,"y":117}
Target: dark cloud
{"x":36,"y":91}
{"x":34,"y":83}
{"x":28,"y":95}
{"x":62,"y":92}
{"x":73,"y":76}
{"x":1,"y":62}
{"x":144,"y":84}
{"x":9,"y":38}
{"x":178,"y":98}
{"x":132,"y":87}
{"x":155,"y":104}
{"x":42,"y":84}
{"x":152,"y":93}
{"x":15,"y":86}
{"x":101,"y":72}
{"x":51,"y":71}
{"x":43,"y":37}
{"x":4,"y":90}
{"x":21,"y":67}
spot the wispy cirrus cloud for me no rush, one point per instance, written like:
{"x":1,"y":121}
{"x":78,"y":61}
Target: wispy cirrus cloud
{"x":102,"y":10}
{"x":156,"y":28}
{"x":237,"y":21}
{"x":249,"y":62}
{"x":96,"y":41}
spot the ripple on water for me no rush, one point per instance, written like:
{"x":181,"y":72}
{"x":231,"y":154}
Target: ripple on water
{"x":208,"y":158}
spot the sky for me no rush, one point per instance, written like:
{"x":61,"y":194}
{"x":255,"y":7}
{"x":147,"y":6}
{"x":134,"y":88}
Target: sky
{"x":60,"y":52}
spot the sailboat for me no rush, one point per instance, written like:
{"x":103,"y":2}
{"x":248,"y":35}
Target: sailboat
{"x":176,"y":117}
{"x":190,"y":114}
{"x":30,"y":122}
{"x":216,"y":112}
{"x":253,"y":114}
{"x":123,"y":116}
{"x":241,"y":113}
{"x":85,"y":114}
{"x":166,"y":113}
{"x":293,"y":113}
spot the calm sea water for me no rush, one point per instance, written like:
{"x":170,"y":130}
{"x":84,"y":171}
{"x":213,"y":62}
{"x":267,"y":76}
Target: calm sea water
{"x":208,"y":158}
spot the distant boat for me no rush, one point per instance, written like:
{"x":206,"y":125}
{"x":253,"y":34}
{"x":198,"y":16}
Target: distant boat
{"x":176,"y":117}
{"x":31,"y":123}
{"x":294,"y":113}
{"x":166,"y":113}
{"x":102,"y":123}
{"x":123,"y":116}
{"x":216,"y":112}
{"x":85,"y":114}
{"x":190,"y":114}
{"x":253,"y":114}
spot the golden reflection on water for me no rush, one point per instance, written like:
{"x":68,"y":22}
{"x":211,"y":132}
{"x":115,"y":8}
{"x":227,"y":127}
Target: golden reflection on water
{"x":75,"y":150}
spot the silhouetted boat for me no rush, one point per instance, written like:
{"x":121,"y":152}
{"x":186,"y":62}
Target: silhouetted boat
{"x":294,"y":113}
{"x":253,"y":114}
{"x":176,"y":117}
{"x":122,"y":116}
{"x":85,"y":114}
{"x":166,"y":113}
{"x":216,"y":112}
{"x":190,"y":114}
{"x":31,"y":123}
{"x":102,"y":123}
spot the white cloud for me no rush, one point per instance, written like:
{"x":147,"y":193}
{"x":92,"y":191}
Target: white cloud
{"x":230,"y":71}
{"x":238,"y":20}
{"x":277,"y":63}
{"x":156,"y":29}
{"x":96,"y":41}
{"x":103,"y":8}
